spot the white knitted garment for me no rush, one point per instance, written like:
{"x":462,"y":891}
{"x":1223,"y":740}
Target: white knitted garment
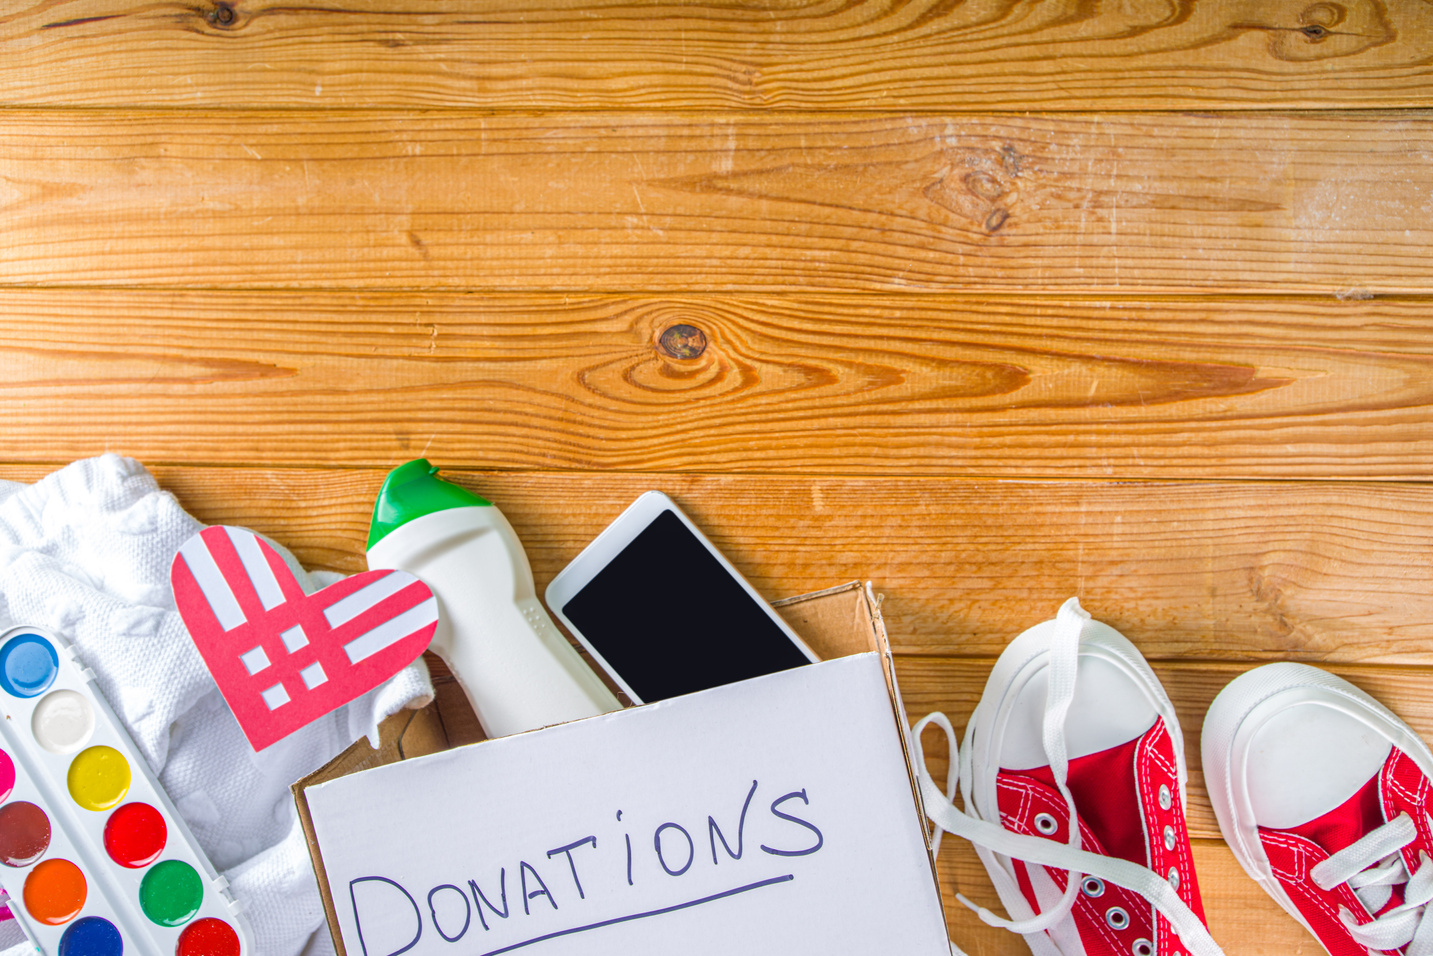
{"x":86,"y":553}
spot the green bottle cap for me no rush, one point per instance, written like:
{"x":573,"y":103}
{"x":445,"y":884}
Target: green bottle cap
{"x":413,"y":490}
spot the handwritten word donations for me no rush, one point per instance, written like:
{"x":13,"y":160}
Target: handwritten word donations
{"x":397,"y":921}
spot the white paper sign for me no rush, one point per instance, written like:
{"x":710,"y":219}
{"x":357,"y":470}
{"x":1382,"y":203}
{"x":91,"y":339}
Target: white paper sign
{"x":774,"y":816}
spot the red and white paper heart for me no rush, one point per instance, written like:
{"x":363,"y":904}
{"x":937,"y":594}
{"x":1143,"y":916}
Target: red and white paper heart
{"x":283,"y":658}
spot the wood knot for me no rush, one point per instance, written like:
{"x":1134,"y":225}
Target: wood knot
{"x":683,"y":341}
{"x":1324,"y":15}
{"x":1010,"y":158}
{"x":1319,"y":20}
{"x":223,"y":15}
{"x":984,"y":185}
{"x":982,"y":195}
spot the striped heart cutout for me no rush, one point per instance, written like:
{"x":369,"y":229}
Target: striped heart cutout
{"x":283,"y":658}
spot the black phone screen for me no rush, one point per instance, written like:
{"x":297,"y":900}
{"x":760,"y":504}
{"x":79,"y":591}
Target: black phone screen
{"x":670,"y":620}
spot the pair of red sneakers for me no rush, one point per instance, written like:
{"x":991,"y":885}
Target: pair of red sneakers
{"x":1073,"y":779}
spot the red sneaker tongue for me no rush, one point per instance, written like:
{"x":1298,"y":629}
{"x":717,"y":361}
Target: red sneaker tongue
{"x":1104,"y":791}
{"x":1344,"y":824}
{"x":1347,"y":823}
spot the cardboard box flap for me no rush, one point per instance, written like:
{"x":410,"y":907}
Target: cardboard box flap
{"x":836,"y":622}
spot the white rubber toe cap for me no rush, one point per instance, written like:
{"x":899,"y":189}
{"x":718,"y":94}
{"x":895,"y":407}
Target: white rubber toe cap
{"x":1117,"y":698}
{"x":1284,"y":744}
{"x":1111,"y":707}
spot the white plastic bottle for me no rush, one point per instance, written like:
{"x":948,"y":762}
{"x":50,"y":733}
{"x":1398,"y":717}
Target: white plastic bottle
{"x":517,"y":669}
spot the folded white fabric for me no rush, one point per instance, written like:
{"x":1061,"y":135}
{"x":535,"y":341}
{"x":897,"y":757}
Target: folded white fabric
{"x":86,"y":552}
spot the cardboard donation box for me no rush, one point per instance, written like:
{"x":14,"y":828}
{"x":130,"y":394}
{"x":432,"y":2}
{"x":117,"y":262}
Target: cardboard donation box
{"x":772,"y":816}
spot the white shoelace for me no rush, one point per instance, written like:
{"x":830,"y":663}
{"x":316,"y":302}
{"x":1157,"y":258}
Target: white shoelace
{"x":1369,"y":867}
{"x":940,"y":807}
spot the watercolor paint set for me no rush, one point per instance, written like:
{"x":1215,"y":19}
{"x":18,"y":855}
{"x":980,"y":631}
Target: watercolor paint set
{"x":94,"y":858}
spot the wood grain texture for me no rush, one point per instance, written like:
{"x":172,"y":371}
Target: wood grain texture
{"x":844,"y":278}
{"x":1323,"y":573}
{"x":889,"y":384}
{"x":801,"y":54}
{"x":583,"y":202}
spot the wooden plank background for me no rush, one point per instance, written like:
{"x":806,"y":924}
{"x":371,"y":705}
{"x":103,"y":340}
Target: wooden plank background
{"x":990,"y":302}
{"x":723,"y":202}
{"x":564,"y":55}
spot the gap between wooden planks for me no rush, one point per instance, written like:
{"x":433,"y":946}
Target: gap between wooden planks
{"x":1038,"y":386}
{"x":680,"y":202}
{"x":1211,"y":571}
{"x":975,"y":55}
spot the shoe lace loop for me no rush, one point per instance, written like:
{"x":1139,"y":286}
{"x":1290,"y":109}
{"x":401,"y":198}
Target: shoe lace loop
{"x":1077,"y":862}
{"x":1376,"y":861}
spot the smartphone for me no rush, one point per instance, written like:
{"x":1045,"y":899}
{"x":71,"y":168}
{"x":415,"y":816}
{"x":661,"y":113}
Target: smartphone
{"x":663,"y":613}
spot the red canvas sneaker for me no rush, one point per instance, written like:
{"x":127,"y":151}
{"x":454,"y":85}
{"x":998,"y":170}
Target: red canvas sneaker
{"x":1323,"y":795}
{"x":1073,"y":778}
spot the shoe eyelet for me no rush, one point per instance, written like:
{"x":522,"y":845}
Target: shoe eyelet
{"x":1142,"y":947}
{"x":1169,"y":838}
{"x":1117,"y":918}
{"x":1093,"y":886}
{"x":1046,"y":824}
{"x":1174,"y":879}
{"x":1166,"y":799}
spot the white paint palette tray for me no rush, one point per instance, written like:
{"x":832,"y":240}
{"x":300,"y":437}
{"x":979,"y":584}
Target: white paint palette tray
{"x":94,"y":857}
